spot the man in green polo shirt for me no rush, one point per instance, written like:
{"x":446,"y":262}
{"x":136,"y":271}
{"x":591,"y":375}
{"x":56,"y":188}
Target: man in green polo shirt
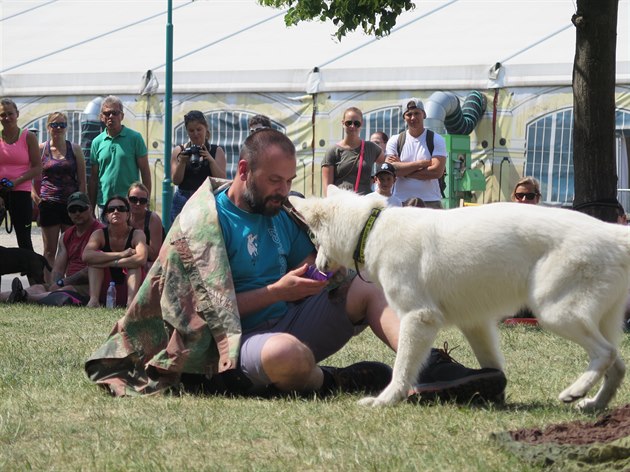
{"x":118,"y":156}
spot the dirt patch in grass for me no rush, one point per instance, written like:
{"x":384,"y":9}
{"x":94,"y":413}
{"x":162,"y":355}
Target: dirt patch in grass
{"x":608,"y":427}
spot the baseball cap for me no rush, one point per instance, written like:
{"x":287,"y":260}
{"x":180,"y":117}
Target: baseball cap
{"x":412,"y":104}
{"x":78,"y":199}
{"x":385,"y":167}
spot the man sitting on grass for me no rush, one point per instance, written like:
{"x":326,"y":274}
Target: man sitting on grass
{"x":69,"y":273}
{"x":290,"y":322}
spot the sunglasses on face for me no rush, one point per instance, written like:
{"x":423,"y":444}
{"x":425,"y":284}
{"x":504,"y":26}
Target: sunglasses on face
{"x":136,"y":200}
{"x":528,"y":196}
{"x":356,"y":123}
{"x":111,"y":113}
{"x":76,"y":209}
{"x":118,"y":208}
{"x":58,"y":125}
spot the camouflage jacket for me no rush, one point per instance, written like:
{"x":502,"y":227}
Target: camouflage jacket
{"x":184,"y":318}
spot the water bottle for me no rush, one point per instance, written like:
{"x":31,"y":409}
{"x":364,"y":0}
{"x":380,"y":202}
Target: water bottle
{"x":110,"y":301}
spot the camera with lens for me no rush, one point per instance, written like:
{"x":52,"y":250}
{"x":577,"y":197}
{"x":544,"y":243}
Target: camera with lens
{"x":194,"y":152}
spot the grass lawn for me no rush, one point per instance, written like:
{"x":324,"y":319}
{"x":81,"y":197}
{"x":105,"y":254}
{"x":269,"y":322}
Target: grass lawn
{"x":53,"y":418}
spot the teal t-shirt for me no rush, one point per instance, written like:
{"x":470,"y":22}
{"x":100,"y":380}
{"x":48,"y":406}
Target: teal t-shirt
{"x":261,"y":249}
{"x":117,"y":162}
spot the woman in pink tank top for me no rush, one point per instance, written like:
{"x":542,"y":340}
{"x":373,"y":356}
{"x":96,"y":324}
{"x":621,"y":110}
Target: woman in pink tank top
{"x":19,"y":164}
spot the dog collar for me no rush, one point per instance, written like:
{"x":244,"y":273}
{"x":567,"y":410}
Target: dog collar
{"x":359,"y":252}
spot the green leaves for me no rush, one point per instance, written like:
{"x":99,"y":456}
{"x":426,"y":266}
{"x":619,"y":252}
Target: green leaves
{"x":374,"y":17}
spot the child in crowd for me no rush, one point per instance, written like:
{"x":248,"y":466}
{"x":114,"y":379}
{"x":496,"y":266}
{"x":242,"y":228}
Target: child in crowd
{"x":385,"y":178}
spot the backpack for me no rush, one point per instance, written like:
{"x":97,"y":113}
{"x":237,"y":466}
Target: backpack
{"x":401,"y":142}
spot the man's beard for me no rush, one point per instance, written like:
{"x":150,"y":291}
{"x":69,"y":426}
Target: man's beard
{"x":257,"y":203}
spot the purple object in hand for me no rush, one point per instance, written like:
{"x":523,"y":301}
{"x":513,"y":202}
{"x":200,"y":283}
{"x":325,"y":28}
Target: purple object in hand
{"x":313,"y":273}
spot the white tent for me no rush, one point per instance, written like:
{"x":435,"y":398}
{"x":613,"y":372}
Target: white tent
{"x":235,"y":58}
{"x":59,"y":47}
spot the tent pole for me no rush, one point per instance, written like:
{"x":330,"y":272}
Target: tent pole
{"x":167,"y":194}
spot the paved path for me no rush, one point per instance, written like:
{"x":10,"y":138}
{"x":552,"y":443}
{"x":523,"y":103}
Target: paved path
{"x":8,"y":240}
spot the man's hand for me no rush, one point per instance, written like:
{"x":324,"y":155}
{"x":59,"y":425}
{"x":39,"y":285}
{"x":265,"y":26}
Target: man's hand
{"x":294,"y":286}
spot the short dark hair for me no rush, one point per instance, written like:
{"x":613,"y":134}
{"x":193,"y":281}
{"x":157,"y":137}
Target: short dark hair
{"x":256,"y":142}
{"x":6,"y":101}
{"x":620,"y":209}
{"x":195,"y":116}
{"x":383,"y":135}
{"x":259,"y":120}
{"x":118,"y":197}
{"x":414,"y":202}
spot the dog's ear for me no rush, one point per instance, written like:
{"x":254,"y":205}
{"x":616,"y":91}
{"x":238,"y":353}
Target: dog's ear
{"x":332,"y":190}
{"x":311,"y":210}
{"x":296,"y":201}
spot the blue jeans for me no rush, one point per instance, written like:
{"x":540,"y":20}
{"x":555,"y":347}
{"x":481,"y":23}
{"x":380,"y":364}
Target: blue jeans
{"x":179,"y":200}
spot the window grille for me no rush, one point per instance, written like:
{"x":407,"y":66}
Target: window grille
{"x":229,"y":130}
{"x":549,"y":153}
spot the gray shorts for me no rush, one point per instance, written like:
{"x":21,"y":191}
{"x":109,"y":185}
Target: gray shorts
{"x":320,"y":322}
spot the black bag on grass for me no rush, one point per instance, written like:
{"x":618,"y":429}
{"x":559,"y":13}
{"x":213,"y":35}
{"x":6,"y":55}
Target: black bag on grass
{"x":64,"y":298}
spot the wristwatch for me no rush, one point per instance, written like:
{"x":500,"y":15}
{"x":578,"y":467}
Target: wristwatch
{"x":60,"y":283}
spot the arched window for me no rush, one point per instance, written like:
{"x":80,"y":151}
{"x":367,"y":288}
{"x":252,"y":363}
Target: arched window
{"x":229,"y":130}
{"x":549,"y":153}
{"x":388,"y":120}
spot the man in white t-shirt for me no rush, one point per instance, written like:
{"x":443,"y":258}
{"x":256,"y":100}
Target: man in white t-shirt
{"x":385,"y":178}
{"x":417,"y":169}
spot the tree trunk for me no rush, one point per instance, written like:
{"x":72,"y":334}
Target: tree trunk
{"x":594,"y":108}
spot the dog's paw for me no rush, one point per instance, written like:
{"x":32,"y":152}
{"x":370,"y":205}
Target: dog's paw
{"x":386,"y":398}
{"x":570,"y":395}
{"x":589,"y":405}
{"x":370,"y":401}
{"x":376,"y":402}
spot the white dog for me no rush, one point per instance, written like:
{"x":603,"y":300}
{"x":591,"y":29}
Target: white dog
{"x":474,"y":266}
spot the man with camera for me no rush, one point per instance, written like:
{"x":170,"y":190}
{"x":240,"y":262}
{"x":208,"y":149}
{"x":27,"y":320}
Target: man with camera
{"x":118,"y":156}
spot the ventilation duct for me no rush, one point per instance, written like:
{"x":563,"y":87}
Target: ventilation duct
{"x":446,"y":115}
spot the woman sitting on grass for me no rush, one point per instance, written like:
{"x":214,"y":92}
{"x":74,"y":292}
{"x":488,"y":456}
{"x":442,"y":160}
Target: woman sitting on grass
{"x":121,"y":250}
{"x":145,"y":220}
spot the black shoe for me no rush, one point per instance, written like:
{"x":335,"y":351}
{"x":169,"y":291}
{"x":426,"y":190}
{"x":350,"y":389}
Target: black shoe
{"x":362,"y":377}
{"x":18,"y":294}
{"x":445,"y":379}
